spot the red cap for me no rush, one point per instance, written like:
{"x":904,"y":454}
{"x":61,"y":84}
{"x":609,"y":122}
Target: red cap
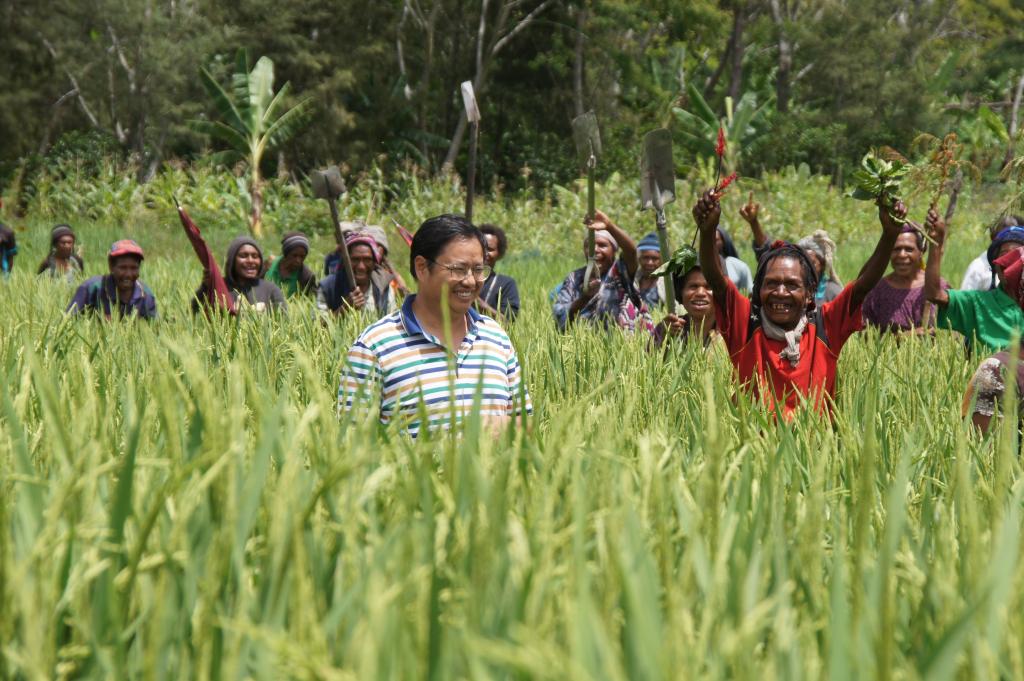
{"x":125,"y":247}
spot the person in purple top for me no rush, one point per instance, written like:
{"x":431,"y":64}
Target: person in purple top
{"x":897,"y":303}
{"x":120,"y":290}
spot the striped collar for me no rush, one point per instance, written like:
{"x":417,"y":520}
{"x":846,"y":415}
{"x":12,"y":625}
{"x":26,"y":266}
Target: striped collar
{"x":412,"y":325}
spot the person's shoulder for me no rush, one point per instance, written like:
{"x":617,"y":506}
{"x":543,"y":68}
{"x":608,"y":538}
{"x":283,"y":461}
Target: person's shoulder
{"x":488,"y":328}
{"x":93,"y":282}
{"x":385,"y":330}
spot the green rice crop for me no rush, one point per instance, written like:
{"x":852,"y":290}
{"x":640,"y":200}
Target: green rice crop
{"x":180,"y":500}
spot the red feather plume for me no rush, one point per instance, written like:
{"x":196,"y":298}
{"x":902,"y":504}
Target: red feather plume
{"x":720,"y":147}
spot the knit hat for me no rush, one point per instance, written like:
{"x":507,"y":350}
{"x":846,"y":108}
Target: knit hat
{"x":649,"y":243}
{"x":380,"y":236}
{"x":364,"y":239}
{"x":59,"y":231}
{"x":124,"y":247}
{"x":292,"y":240}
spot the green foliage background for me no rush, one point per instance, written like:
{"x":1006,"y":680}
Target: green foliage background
{"x":837,"y":77}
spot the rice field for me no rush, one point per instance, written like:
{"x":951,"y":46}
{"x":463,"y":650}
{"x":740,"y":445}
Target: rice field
{"x":180,"y":501}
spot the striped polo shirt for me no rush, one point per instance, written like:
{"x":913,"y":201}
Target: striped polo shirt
{"x":413,"y":375}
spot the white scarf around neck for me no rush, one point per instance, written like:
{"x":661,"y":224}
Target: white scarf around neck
{"x":791,"y":338}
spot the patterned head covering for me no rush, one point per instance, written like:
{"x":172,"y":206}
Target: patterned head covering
{"x":1012,"y":276}
{"x":821,"y":244}
{"x":1008,"y":235}
{"x":363,"y":239}
{"x":607,"y":236}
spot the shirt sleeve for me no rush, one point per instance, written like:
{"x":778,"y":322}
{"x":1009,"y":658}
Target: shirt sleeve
{"x":566,"y":295}
{"x":841,"y":318}
{"x":957,"y":313}
{"x":80,"y":301}
{"x":150,"y":304}
{"x":733,"y":318}
{"x":977,"y":277}
{"x":746,"y":280}
{"x":762,"y":249}
{"x":360,"y":380}
{"x":518,"y":396}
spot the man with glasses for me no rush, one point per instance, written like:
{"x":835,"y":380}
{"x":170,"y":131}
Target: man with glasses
{"x":783,"y":347}
{"x":437,"y":357}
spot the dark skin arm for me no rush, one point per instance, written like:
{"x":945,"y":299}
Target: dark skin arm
{"x":706,"y":213}
{"x":933,"y":290}
{"x":876,"y":265}
{"x":626,"y":245}
{"x":749,"y":213}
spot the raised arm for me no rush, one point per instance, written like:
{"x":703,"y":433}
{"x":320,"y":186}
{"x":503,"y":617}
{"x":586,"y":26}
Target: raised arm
{"x":933,"y":290}
{"x":874,"y":268}
{"x":749,"y":212}
{"x":706,"y":213}
{"x":626,"y":244}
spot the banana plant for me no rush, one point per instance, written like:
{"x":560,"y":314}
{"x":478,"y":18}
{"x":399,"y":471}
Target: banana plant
{"x":743,"y":123}
{"x":253,"y":120}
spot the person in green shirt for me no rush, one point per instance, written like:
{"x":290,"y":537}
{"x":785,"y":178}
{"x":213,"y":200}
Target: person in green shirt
{"x":289,"y":271}
{"x":992,"y":317}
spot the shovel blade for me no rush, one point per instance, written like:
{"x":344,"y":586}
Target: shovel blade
{"x":327,"y":184}
{"x":587,"y":137}
{"x":469,"y":102}
{"x":657,"y":171}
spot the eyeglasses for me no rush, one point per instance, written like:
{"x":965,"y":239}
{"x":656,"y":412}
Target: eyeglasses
{"x":460,"y":272}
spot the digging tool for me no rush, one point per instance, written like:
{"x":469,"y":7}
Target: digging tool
{"x":328,"y":184}
{"x":657,"y":190}
{"x":473,"y":116}
{"x":588,"y":149}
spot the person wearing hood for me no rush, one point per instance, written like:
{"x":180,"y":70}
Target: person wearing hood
{"x":783,"y":347}
{"x":242,"y":273}
{"x":979,"y":276}
{"x":818,"y":246}
{"x":62,"y":262}
{"x":373,"y":289}
{"x":898,"y":302}
{"x":992,"y":316}
{"x":609,"y":299}
{"x":499,"y":295}
{"x":119,"y":291}
{"x":289,"y":272}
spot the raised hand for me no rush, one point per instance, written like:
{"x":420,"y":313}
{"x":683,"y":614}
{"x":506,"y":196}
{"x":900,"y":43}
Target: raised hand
{"x":935,"y":226}
{"x":707,"y":212}
{"x":750,"y":210}
{"x":894,"y":218}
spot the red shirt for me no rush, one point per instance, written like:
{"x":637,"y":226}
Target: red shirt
{"x":757,"y":359}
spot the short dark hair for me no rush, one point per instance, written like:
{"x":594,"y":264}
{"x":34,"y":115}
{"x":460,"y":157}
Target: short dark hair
{"x":782,"y":249}
{"x":498,"y":234}
{"x":436,"y":233}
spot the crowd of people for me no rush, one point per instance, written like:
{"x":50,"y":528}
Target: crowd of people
{"x":441,"y":350}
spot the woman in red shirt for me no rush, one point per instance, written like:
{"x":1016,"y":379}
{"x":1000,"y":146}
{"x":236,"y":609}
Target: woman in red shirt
{"x":783,"y":347}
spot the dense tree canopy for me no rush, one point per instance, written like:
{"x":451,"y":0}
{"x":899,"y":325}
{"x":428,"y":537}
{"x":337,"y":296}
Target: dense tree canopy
{"x":838,"y":76}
